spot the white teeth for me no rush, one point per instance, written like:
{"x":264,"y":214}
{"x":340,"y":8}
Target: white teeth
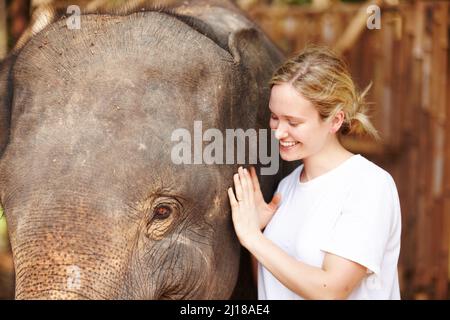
{"x":288,"y":144}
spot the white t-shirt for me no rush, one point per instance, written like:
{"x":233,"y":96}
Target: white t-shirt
{"x":352,"y":211}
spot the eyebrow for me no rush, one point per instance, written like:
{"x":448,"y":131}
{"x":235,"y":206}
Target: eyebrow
{"x":295,"y":118}
{"x":290,"y":117}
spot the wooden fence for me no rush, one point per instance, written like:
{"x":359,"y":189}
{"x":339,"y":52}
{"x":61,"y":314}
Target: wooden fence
{"x":407,"y":60}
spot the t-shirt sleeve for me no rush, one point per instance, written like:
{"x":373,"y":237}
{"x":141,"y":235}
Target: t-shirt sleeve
{"x":363,"y":227}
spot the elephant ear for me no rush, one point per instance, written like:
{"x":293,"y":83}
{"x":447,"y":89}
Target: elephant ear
{"x":258,"y":58}
{"x":5,"y":100}
{"x":252,"y":51}
{"x":255,"y":56}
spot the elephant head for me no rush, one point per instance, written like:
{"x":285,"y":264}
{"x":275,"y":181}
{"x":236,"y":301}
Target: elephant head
{"x":95,"y":207}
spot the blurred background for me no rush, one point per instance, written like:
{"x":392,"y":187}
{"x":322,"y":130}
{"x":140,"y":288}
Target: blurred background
{"x":407,"y":61}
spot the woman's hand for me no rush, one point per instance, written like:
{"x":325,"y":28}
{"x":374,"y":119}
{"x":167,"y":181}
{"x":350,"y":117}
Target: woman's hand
{"x":265,"y":210}
{"x":250,"y":213}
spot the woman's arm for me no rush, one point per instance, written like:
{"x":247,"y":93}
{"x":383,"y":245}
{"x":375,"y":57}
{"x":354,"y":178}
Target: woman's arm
{"x":335,"y":280}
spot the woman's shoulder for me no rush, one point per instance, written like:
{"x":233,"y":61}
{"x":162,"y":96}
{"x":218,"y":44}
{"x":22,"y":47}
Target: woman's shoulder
{"x":373,"y":190}
{"x":368,"y":171}
{"x":290,"y":179}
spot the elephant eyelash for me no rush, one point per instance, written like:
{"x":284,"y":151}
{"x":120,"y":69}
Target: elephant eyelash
{"x":178,"y":199}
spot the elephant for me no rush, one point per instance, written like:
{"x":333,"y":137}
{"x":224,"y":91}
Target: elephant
{"x":95,"y":207}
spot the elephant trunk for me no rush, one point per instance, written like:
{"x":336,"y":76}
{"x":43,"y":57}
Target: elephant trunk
{"x":58,"y":258}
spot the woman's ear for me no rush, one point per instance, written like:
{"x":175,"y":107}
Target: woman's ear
{"x":336,"y":121}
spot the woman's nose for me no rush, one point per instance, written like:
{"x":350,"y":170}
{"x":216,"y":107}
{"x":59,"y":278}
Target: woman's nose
{"x":280,"y":132}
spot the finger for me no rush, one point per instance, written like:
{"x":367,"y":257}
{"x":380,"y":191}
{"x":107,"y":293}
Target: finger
{"x":238,"y":187}
{"x":255,"y":181}
{"x":244,"y":184}
{"x":250,"y":188}
{"x":233,"y":202}
{"x":276,"y":200}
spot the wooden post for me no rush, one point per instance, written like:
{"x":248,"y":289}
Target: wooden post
{"x":355,"y":28}
{"x":441,"y":117}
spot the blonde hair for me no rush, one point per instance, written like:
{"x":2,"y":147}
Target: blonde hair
{"x":320,"y":76}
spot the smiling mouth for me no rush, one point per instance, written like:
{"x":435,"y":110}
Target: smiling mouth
{"x":288,"y":144}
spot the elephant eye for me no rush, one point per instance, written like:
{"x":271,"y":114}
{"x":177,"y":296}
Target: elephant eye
{"x":162,"y":212}
{"x":161,"y":221}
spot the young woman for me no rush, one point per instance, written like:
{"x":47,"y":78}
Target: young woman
{"x":332,"y":231}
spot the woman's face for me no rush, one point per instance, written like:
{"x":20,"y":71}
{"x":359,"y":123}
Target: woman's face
{"x":297,"y":123}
